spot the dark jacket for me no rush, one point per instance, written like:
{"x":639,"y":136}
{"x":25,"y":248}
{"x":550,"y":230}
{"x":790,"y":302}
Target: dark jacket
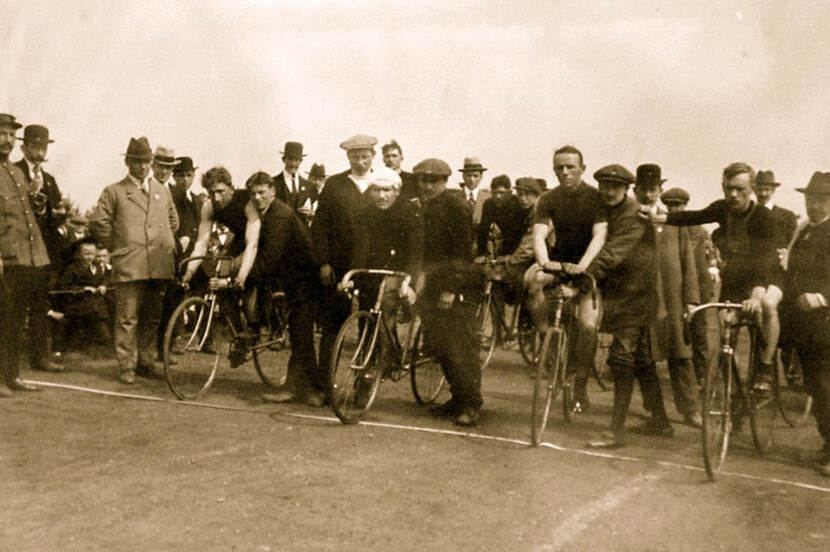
{"x":785,"y":224}
{"x":510,"y":219}
{"x":409,"y":186}
{"x":392,"y":239}
{"x":626,"y":269}
{"x":47,"y":220}
{"x":334,"y":230}
{"x":189,"y":211}
{"x":76,"y":277}
{"x":808,"y":271}
{"x":284,"y":253}
{"x":20,"y":238}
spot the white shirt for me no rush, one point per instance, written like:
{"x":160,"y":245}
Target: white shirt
{"x":291,"y":181}
{"x":143,"y":185}
{"x":33,"y":172}
{"x":769,"y":204}
{"x":362,"y":182}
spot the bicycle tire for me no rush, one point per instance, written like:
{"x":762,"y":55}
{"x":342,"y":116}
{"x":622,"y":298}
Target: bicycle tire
{"x":762,"y":404}
{"x":795,"y":403}
{"x":717,"y":414}
{"x":487,"y":328}
{"x":425,"y":373}
{"x":545,"y":385}
{"x":529,"y":344}
{"x":354,"y":373}
{"x":195,"y":337}
{"x":271,"y":356}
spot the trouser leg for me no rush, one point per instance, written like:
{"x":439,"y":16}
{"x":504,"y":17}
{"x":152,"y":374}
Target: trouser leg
{"x":12,"y":317}
{"x":38,"y":301}
{"x":815,"y":365}
{"x":584,"y":344}
{"x":700,"y":345}
{"x":127,"y":296}
{"x":149,"y":318}
{"x":683,"y":385}
{"x":303,"y":372}
{"x":646,"y":374}
{"x":334,"y":309}
{"x":621,"y":363}
{"x":172,"y":296}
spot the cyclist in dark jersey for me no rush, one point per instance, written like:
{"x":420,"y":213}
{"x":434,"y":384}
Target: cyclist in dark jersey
{"x":746,"y":239}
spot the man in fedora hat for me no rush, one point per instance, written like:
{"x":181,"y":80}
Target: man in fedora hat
{"x":164,"y":160}
{"x":805,"y":307}
{"x":472,"y":172}
{"x":23,"y":257}
{"x":289,"y":184}
{"x":392,"y":158}
{"x":785,"y":220}
{"x":135,"y":218}
{"x":334,"y":234}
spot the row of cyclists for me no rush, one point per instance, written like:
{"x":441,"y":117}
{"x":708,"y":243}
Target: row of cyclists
{"x":365,"y":220}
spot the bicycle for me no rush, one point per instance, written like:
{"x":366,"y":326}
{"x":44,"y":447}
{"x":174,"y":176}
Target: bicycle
{"x":794,"y":400}
{"x":360,"y":363}
{"x":494,"y":329}
{"x":728,"y":395}
{"x":199,"y":329}
{"x":551,"y":366}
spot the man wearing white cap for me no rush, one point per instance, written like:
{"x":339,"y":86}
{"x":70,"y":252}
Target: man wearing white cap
{"x":333,"y":234}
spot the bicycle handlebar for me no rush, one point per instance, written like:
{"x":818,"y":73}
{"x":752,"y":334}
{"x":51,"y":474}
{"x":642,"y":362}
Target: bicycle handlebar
{"x":704,"y":306}
{"x":347,"y":278}
{"x":188,"y":260}
{"x":572,"y":277}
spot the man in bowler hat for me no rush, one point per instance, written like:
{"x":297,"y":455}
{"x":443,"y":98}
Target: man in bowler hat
{"x":785,"y":221}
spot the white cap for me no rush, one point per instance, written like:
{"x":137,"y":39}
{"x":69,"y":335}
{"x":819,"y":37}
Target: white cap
{"x":385,"y":177}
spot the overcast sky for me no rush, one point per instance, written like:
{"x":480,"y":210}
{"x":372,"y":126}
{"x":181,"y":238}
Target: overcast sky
{"x":691,"y":86}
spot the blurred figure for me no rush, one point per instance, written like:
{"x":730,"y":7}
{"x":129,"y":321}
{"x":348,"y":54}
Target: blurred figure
{"x":785,"y":221}
{"x":392,"y":158}
{"x":308,"y":200}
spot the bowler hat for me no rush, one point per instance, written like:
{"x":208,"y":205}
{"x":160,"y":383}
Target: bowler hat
{"x":318,"y":170}
{"x":473,"y":164}
{"x":359,"y":141}
{"x":766,"y":178}
{"x":293,"y":150}
{"x":432,"y":166}
{"x":649,"y":176}
{"x":6,"y":119}
{"x":501,"y":181}
{"x":185,"y":164}
{"x":529,"y":184}
{"x":165,"y":156}
{"x":615,"y":174}
{"x":819,"y":184}
{"x":675,"y":195}
{"x":139,"y":148}
{"x":36,"y":135}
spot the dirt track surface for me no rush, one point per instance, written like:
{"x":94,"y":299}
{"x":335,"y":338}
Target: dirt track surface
{"x":84,"y":471}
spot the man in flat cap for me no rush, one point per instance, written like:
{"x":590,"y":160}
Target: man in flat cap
{"x":503,"y":211}
{"x":135,"y":218}
{"x":472,"y":172}
{"x":22,"y":265}
{"x":392,"y":158}
{"x":451,"y":292}
{"x":46,"y":203}
{"x":626,"y":268}
{"x":678,"y":287}
{"x":805,"y":307}
{"x":334,"y":232}
{"x":521,"y":257}
{"x":785,"y":220}
{"x":573,"y":213}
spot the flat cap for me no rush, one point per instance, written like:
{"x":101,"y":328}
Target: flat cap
{"x":615,"y":173}
{"x":529,"y":184}
{"x":432,"y":166}
{"x":359,"y":141}
{"x":501,"y":181}
{"x":675,"y":195}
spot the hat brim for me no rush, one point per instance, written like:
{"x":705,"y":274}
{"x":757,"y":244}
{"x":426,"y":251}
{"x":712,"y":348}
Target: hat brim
{"x":471,"y":169}
{"x":137,"y":157}
{"x":15,"y":126}
{"x":23,"y":139}
{"x":615,"y":181}
{"x":814,"y":192}
{"x":165,"y":163}
{"x":301,"y":155}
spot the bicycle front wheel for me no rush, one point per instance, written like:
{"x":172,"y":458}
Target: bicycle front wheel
{"x":200,"y":340}
{"x":717,"y":415}
{"x":762,"y":403}
{"x":487,"y":320}
{"x":355,"y":373}
{"x":794,"y":401}
{"x":425,"y":373}
{"x":530,"y":341}
{"x":546,"y":384}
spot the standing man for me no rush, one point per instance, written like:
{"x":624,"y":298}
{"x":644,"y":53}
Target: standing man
{"x":334,"y":234}
{"x":164,"y":161}
{"x":785,"y":221}
{"x":678,"y":289}
{"x":472,"y":172}
{"x":188,"y":205}
{"x":289,"y":183}
{"x":807,"y":296}
{"x":136,"y":219}
{"x":46,"y":203}
{"x":22,"y":267}
{"x":626,"y":269}
{"x":451,"y":292}
{"x":392,"y":158}
{"x":310,"y":195}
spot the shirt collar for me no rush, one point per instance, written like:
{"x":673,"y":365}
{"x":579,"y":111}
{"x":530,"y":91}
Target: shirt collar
{"x":137,"y":182}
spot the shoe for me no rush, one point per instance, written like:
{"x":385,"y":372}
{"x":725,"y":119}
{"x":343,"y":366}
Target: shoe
{"x":449,"y":409}
{"x":127,"y":377}
{"x":315,"y":399}
{"x":693,"y":419}
{"x":763,"y":382}
{"x":655,"y":430}
{"x":5,"y":391}
{"x":47,"y":366}
{"x":580,"y":403}
{"x":20,"y":385}
{"x":238,"y":352}
{"x":468,"y":417}
{"x":278,"y":397}
{"x":152,"y":370}
{"x":607,"y":440}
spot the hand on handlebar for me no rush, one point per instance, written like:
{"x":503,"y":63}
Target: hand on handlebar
{"x":572,"y":269}
{"x":553,"y":266}
{"x":327,"y":275}
{"x":753,"y":305}
{"x":446,"y":300}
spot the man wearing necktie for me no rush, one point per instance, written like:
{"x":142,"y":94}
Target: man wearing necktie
{"x":472,"y":173}
{"x":290,"y":186}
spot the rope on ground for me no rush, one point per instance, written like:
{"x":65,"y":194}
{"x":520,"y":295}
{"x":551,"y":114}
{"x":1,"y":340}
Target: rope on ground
{"x":553,"y":446}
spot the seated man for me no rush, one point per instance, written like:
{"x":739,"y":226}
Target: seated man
{"x":503,"y":211}
{"x":520,"y":258}
{"x":747,"y":242}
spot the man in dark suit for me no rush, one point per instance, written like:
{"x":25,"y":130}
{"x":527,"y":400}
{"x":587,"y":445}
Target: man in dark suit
{"x":392,"y":158}
{"x":289,"y":184}
{"x":46,"y":203}
{"x":806,"y":300}
{"x":785,"y":220}
{"x":188,"y":205}
{"x":334,"y":234}
{"x":474,"y":194}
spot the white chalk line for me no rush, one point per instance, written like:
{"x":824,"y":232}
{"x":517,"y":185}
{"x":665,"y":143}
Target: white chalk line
{"x":457,"y":433}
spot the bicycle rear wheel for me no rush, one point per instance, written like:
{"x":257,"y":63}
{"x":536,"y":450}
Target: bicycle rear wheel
{"x":425,"y":373}
{"x":487,"y":322}
{"x":201,"y":340}
{"x":717,"y":415}
{"x":794,"y":401}
{"x":762,"y":404}
{"x":355,"y":373}
{"x":546,"y":384}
